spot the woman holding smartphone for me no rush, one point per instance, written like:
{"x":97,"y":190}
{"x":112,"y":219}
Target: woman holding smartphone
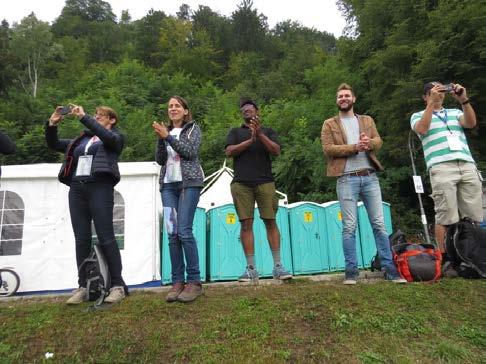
{"x":181,"y":180}
{"x":90,"y":169}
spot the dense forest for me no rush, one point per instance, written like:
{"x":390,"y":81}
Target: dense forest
{"x":389,"y":49}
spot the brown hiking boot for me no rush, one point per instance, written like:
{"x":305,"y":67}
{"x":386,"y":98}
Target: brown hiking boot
{"x":174,"y":292}
{"x":191,"y":292}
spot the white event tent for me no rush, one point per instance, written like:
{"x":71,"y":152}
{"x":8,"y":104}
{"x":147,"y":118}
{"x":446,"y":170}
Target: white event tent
{"x":36,"y":234}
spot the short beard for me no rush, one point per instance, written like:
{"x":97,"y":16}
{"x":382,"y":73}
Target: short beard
{"x":347,"y":108}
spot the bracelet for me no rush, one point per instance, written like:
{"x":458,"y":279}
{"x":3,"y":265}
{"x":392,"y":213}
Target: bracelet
{"x":465,"y":102}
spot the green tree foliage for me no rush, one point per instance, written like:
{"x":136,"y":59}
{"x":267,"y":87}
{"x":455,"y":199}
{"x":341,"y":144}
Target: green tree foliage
{"x":32,"y":45}
{"x":146,"y":38}
{"x":7,"y":58}
{"x":94,"y":21}
{"x":218,"y":28}
{"x":249,"y":29}
{"x":184,"y":12}
{"x":185,"y":50}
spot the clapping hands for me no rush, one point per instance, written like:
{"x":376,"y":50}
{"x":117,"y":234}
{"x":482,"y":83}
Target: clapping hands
{"x":160,"y":129}
{"x":363,"y":143}
{"x":255,"y":127}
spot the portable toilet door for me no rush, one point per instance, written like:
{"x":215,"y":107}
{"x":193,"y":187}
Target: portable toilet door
{"x":226,"y":260}
{"x":199,"y":231}
{"x":334,"y":229}
{"x":308,"y":238}
{"x":263,"y":255}
{"x":368,"y":245}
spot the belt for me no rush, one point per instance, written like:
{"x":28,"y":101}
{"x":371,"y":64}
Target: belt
{"x":361,"y":173}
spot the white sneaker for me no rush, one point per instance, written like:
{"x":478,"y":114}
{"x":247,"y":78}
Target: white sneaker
{"x":350,"y":281}
{"x":117,"y":293}
{"x":79,"y":295}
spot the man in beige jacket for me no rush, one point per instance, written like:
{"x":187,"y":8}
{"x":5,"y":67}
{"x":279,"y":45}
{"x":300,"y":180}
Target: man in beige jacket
{"x":349,"y":142}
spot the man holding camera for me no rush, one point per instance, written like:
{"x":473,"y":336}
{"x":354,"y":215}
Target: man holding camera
{"x":455,"y":179}
{"x":349,"y":142}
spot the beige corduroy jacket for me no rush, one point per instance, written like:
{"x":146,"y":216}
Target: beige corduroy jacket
{"x":336,"y":149}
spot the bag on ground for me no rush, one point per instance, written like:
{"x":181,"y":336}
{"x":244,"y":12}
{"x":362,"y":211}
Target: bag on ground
{"x":466,"y":248}
{"x":417,"y":262}
{"x":398,"y":237}
{"x":97,"y":274}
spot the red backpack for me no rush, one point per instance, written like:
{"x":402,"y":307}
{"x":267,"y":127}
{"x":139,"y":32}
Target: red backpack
{"x":417,"y":262}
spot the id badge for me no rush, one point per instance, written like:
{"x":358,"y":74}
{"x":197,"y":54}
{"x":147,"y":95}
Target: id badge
{"x":84,"y":165}
{"x":454,"y":142}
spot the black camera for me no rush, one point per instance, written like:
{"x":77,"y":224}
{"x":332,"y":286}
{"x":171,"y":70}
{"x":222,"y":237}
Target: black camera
{"x":448,"y":87}
{"x":64,"y":110}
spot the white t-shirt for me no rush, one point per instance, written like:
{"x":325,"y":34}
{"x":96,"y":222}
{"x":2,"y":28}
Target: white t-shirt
{"x":173,"y":166}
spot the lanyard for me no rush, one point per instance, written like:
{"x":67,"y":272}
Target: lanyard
{"x":443,"y":119}
{"x":94,"y":139}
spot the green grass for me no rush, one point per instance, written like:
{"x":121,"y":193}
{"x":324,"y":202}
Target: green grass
{"x":304,"y":321}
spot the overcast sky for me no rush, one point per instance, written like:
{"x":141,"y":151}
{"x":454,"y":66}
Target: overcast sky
{"x":320,"y":14}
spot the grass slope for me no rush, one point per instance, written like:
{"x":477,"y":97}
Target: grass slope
{"x":375,"y":322}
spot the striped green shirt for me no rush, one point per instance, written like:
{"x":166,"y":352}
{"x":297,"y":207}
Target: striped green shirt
{"x":434,"y":142}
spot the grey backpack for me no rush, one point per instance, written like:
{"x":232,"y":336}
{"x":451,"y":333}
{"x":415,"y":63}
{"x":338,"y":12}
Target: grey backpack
{"x":97,"y":274}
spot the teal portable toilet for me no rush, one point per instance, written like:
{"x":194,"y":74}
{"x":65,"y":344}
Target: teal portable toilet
{"x":308,"y":238}
{"x":263,"y":255}
{"x":334,"y":233}
{"x":368,"y":245}
{"x":226,"y":260}
{"x":199,"y":230}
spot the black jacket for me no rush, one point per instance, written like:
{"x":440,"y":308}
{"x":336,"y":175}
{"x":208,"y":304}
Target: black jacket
{"x":106,"y":159}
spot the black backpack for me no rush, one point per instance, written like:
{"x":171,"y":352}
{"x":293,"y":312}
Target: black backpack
{"x":466,"y":248}
{"x":97,"y":274}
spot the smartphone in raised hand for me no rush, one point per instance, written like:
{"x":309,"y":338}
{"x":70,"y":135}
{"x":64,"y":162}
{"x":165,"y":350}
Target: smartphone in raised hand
{"x":64,"y":110}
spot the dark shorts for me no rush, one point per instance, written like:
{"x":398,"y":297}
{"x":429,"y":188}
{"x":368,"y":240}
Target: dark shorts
{"x":244,"y":198}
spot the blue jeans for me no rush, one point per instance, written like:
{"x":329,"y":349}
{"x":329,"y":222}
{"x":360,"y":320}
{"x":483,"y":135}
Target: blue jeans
{"x":179,"y":208}
{"x":350,"y":189}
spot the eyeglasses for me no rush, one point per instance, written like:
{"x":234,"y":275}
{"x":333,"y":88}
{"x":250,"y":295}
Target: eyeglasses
{"x":100,"y":114}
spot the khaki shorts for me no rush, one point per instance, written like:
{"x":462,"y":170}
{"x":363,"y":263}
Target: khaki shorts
{"x":244,"y":198}
{"x":456,"y":191}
